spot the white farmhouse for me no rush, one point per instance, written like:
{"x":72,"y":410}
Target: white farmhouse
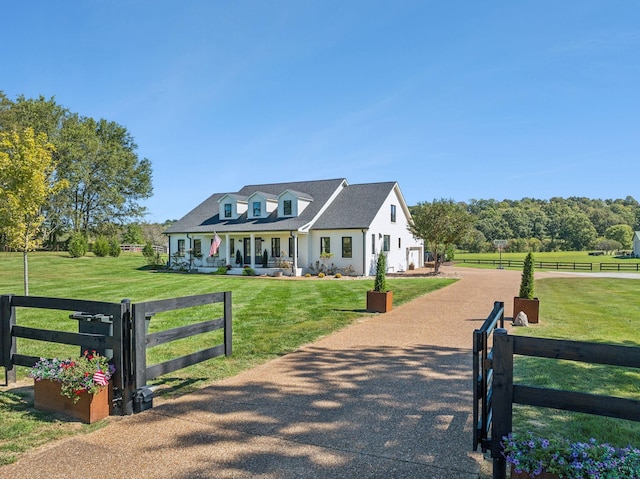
{"x":636,"y":244}
{"x":307,"y":225}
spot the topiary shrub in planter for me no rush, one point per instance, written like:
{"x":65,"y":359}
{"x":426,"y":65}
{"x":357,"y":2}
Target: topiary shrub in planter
{"x":380,"y":300}
{"x":525,"y":301}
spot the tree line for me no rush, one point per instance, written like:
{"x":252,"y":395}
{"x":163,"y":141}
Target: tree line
{"x":558,"y":224}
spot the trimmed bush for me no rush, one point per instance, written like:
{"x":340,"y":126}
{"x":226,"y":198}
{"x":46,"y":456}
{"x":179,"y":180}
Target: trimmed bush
{"x":248,"y":271}
{"x":77,"y":245}
{"x":526,"y":283}
{"x":114,"y":248}
{"x":380,"y":283}
{"x":101,"y":247}
{"x":148,"y":251}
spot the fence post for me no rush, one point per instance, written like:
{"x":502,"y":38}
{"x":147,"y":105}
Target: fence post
{"x":227,"y":324}
{"x":139,"y":345}
{"x":502,"y":407}
{"x":126,"y":346}
{"x":7,"y":342}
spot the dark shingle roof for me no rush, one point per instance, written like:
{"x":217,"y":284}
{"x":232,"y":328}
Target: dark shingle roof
{"x":206,"y":216}
{"x":354,"y":207}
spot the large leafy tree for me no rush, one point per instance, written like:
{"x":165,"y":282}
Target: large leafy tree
{"x":623,"y":234}
{"x":106,"y":178}
{"x":43,"y":116}
{"x":98,"y":159}
{"x":440,"y":224}
{"x":26,"y":183}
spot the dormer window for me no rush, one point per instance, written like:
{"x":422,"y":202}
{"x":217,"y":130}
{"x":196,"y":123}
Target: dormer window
{"x":257,"y":208}
{"x":227,"y":210}
{"x":292,"y":203}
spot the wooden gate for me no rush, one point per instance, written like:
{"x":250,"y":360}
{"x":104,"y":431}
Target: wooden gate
{"x":127,"y":338}
{"x":499,"y":392}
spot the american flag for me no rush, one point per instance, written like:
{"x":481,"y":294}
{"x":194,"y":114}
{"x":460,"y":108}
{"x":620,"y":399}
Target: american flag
{"x":215,"y":244}
{"x":100,"y":378}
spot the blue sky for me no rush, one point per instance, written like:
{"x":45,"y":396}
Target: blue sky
{"x":456,"y":99}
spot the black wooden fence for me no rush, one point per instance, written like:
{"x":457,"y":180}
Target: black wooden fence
{"x":127,"y":339}
{"x":500,"y":393}
{"x":557,"y":265}
{"x":512,"y":263}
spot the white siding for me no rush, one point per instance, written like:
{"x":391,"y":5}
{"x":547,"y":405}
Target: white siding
{"x":399,"y":255}
{"x":335,"y":238}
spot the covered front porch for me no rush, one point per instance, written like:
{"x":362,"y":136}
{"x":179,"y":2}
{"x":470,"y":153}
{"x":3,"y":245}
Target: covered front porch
{"x":239,"y":271}
{"x":266,"y":253}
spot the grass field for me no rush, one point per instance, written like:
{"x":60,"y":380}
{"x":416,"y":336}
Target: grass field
{"x":583,"y":309}
{"x":554,"y":257}
{"x":271,"y":317}
{"x":274,"y":316}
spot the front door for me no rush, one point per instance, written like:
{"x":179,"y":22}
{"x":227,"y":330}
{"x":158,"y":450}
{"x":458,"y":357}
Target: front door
{"x":247,"y":250}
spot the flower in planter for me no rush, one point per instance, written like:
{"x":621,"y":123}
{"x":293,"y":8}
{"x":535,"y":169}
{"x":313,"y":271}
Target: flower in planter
{"x":87,"y":373}
{"x":533,"y":455}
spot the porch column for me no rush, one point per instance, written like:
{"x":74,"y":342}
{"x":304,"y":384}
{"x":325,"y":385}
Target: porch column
{"x":227,"y":257}
{"x":252,"y":237}
{"x":295,"y":254}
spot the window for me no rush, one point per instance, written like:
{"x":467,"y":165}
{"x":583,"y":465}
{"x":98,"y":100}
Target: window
{"x":197,"y":247}
{"x":257,"y":208}
{"x":227,"y":210}
{"x":347,"y":249}
{"x":291,"y":246}
{"x":275,"y":247}
{"x":258,"y":249}
{"x":325,"y":245}
{"x":399,"y":243}
{"x":386,"y":245}
{"x":373,"y":244}
{"x":232,"y":246}
{"x":180,"y":247}
{"x":393,"y":213}
{"x":286,"y":207}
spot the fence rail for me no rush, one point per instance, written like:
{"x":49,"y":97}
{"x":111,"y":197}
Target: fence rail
{"x":125,"y":337}
{"x":494,"y":379}
{"x":557,"y":265}
{"x":137,"y":248}
{"x":141,"y":312}
{"x":619,"y":266}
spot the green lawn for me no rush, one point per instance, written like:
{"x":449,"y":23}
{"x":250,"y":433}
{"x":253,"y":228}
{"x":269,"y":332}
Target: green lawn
{"x":583,"y":309}
{"x":555,"y":257}
{"x":270,"y":318}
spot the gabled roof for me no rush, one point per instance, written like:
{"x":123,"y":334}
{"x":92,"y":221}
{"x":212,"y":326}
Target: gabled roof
{"x":266,"y":196}
{"x":233,"y":196}
{"x":354,"y":206}
{"x":297,"y":194}
{"x":206,"y":218}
